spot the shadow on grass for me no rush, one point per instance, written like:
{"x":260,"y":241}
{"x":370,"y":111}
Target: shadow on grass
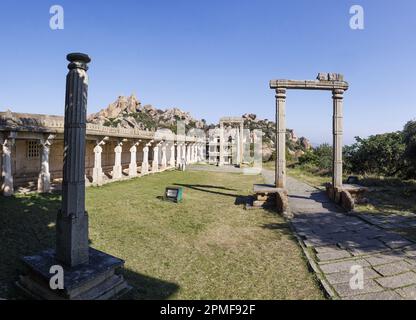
{"x":205,"y":188}
{"x":148,"y":288}
{"x":27,"y":226}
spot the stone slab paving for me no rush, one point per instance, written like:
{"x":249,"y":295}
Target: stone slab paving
{"x":338,"y":244}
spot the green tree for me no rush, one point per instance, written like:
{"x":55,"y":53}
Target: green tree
{"x":381,"y":154}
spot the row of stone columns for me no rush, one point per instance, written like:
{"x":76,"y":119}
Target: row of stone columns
{"x":185,"y":153}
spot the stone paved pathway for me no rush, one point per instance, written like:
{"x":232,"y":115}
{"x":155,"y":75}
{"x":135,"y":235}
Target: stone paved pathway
{"x":336,"y":243}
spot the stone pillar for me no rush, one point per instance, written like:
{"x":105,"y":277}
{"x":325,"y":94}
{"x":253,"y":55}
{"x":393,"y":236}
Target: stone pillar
{"x":155,"y":162}
{"x":241,"y":143}
{"x":133,"y":160}
{"x":72,"y":247}
{"x":145,"y":163}
{"x":7,"y":187}
{"x":172,"y":155}
{"x":178,"y":154}
{"x":238,"y":147}
{"x":221,"y":162}
{"x":117,"y":168}
{"x":97,"y":171}
{"x":164,"y":157}
{"x":44,"y":179}
{"x":183,"y":153}
{"x":89,"y":274}
{"x":188,"y":153}
{"x":337,"y":96}
{"x":280,"y":174}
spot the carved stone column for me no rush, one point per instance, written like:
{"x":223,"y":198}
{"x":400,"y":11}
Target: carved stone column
{"x":238,"y":147}
{"x":44,"y":179}
{"x":133,"y":160}
{"x":337,"y":96}
{"x":280,"y":171}
{"x":155,"y":162}
{"x":72,"y":223}
{"x":188,"y":153}
{"x":178,"y":154}
{"x":172,"y":155}
{"x":241,"y":138}
{"x":117,"y":168}
{"x":164,"y":158}
{"x":97,"y":171}
{"x":145,"y":163}
{"x":221,"y":161}
{"x":89,"y":274}
{"x":192,"y":153}
{"x":183,"y":155}
{"x":7,"y":186}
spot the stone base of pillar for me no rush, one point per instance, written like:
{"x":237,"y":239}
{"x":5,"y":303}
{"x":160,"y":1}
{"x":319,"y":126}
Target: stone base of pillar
{"x":132,"y":170}
{"x":117,"y":172}
{"x":268,"y":196}
{"x":7,"y":187}
{"x":44,"y":183}
{"x":155,"y":166}
{"x":144,"y":169}
{"x":96,"y":280}
{"x":340,"y":196}
{"x":97,"y":177}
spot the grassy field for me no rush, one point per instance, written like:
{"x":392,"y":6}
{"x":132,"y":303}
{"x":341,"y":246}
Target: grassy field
{"x":207,"y":247}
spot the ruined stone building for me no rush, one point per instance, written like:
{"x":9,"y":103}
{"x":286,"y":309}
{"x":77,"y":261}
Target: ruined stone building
{"x":31,"y":153}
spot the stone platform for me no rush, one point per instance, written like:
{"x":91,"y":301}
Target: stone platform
{"x":268,"y":196}
{"x":96,"y":280}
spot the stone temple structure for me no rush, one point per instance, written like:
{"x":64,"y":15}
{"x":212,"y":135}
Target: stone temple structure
{"x":32,"y":149}
{"x":226,"y":143}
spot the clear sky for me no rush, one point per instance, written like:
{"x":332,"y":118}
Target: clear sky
{"x":215,"y":58}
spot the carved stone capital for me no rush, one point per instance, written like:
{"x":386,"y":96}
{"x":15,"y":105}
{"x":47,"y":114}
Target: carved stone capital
{"x":338,"y":94}
{"x":281,"y":93}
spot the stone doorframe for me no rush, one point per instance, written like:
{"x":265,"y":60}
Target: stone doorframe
{"x":240,"y":129}
{"x":325,"y":81}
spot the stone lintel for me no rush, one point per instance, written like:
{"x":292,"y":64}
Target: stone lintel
{"x":309,"y":84}
{"x":265,"y":189}
{"x":231,"y":120}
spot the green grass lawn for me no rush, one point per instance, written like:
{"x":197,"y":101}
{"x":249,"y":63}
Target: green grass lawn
{"x":207,"y":247}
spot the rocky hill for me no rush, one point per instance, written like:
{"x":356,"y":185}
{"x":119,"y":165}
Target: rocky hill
{"x":128,"y":112}
{"x":295,"y":146}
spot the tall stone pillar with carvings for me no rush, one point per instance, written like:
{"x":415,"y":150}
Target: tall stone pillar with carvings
{"x":7,"y":186}
{"x":337,"y":96}
{"x":88,"y":274}
{"x":280,"y":171}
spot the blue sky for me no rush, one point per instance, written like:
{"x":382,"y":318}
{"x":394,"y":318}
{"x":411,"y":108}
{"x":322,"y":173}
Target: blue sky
{"x":215,"y":58}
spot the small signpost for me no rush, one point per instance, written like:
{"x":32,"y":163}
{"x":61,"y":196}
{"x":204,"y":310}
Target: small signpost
{"x":174,"y":194}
